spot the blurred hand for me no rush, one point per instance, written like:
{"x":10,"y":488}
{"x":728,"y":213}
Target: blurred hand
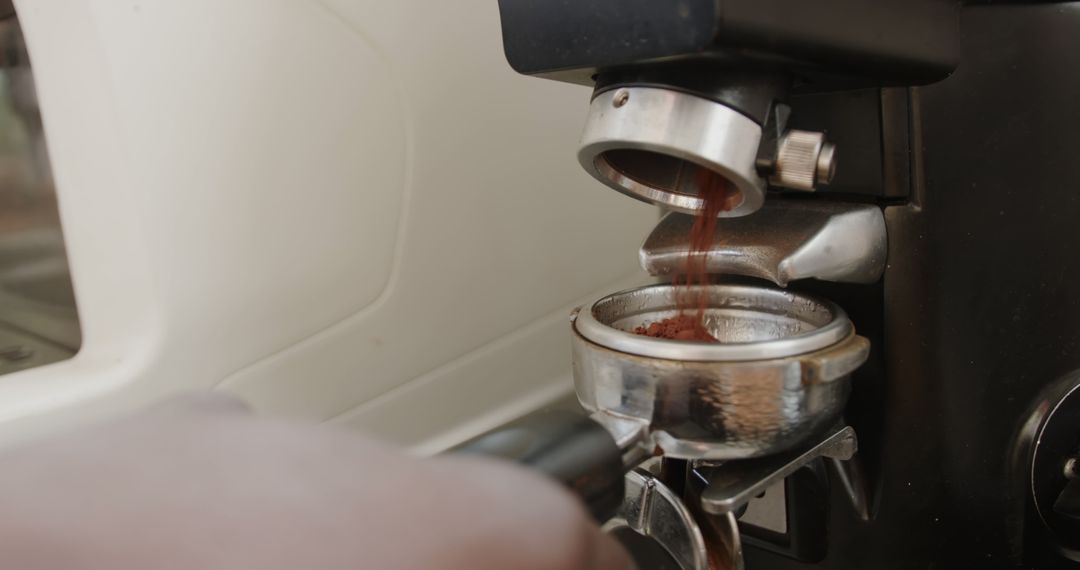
{"x":200,"y":484}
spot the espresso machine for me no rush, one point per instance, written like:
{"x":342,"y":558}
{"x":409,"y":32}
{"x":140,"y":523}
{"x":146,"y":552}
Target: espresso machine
{"x":893,"y":286}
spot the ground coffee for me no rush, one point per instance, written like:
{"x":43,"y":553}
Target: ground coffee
{"x":691,"y":299}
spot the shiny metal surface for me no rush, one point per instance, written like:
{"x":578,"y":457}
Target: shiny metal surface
{"x":825,"y":168}
{"x":852,"y":479}
{"x":711,"y":408}
{"x":732,"y":485}
{"x":804,"y":161}
{"x":723,"y":541}
{"x":785,"y":240}
{"x":651,"y":509}
{"x":631,"y":435}
{"x":649,"y":143}
{"x":1071,"y":469}
{"x":38,"y":322}
{"x":752,"y":323}
{"x":768,"y":510}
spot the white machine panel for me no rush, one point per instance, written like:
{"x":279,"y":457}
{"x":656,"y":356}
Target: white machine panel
{"x":347,"y":210}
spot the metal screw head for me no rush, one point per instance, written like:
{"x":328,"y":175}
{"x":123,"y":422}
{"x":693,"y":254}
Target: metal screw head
{"x":621,"y":97}
{"x":826,"y":164}
{"x":1072,"y":468}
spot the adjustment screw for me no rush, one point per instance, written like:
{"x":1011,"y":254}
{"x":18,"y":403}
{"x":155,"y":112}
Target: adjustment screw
{"x":804,"y":161}
{"x":621,"y":97}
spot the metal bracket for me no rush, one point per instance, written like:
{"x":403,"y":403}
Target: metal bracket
{"x":783,"y":241}
{"x":652,"y":509}
{"x":730,"y":485}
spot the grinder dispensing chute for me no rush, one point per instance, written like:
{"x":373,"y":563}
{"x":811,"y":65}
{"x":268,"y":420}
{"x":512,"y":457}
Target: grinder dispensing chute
{"x":683,"y":85}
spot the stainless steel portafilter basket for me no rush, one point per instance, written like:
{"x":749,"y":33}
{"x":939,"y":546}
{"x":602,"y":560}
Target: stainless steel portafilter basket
{"x":778,"y":376}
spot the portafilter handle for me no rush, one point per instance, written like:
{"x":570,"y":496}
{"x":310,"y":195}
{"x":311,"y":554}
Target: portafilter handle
{"x":570,"y":448}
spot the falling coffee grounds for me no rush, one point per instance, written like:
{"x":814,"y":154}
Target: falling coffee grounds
{"x":691,"y":297}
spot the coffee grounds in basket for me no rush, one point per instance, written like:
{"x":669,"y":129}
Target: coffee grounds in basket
{"x":679,"y":327}
{"x":691,"y":298}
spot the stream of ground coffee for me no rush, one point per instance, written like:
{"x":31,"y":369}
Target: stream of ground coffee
{"x":691,"y":299}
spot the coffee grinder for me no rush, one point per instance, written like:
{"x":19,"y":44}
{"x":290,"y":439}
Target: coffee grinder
{"x":896,"y":384}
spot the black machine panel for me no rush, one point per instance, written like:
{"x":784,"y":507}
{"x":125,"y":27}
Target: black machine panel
{"x":980,"y":308}
{"x":829,"y":42}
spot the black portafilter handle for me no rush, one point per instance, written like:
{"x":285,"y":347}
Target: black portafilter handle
{"x":568,"y":447}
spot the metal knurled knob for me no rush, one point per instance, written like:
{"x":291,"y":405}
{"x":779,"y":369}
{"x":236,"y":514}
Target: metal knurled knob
{"x":804,"y":161}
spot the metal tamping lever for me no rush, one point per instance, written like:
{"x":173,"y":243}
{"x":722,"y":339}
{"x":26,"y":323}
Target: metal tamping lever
{"x":783,"y":241}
